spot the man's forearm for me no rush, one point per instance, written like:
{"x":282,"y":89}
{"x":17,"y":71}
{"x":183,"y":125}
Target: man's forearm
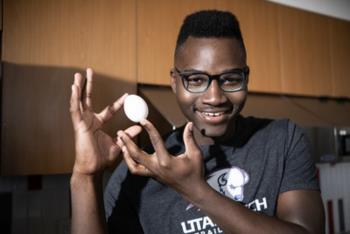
{"x":233,"y":217}
{"x":87,"y":205}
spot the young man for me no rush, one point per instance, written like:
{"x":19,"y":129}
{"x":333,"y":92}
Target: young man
{"x":221,"y":173}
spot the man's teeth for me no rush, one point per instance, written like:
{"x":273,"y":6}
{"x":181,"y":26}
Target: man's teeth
{"x":210,"y":114}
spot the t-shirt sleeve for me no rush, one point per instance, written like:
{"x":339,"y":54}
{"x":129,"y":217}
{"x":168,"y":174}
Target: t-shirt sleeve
{"x":299,"y":167}
{"x":120,"y":213}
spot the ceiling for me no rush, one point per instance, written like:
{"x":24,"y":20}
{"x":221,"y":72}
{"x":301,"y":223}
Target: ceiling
{"x":336,"y":8}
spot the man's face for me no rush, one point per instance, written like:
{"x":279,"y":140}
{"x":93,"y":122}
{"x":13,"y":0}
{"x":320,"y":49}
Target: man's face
{"x":213,"y":111}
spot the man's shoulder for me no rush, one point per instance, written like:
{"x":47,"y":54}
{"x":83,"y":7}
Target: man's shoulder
{"x":268,"y":129}
{"x":258,"y":123}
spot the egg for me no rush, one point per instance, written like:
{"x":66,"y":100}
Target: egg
{"x":135,"y":108}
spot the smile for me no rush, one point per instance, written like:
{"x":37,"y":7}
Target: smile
{"x":213,"y":117}
{"x":212,"y":114}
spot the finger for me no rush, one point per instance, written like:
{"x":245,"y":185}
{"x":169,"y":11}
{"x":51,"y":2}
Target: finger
{"x":156,"y":141}
{"x":79,"y":82}
{"x":189,"y":141}
{"x":114,"y":152}
{"x":135,"y":152}
{"x":88,"y":88}
{"x":109,"y":111}
{"x":133,"y":130}
{"x":119,"y":142}
{"x":75,"y":106}
{"x":129,"y":161}
{"x":134,"y":167}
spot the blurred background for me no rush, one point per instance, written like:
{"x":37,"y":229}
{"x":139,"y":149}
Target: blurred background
{"x":298,"y":53}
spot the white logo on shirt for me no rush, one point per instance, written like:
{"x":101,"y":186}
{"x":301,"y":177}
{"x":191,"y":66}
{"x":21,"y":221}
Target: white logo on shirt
{"x":230,"y":182}
{"x":200,"y":225}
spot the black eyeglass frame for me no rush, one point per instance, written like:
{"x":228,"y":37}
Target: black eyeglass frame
{"x":244,"y":72}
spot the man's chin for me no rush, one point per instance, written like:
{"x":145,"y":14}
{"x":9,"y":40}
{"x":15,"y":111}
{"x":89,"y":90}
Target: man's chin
{"x":212,"y":132}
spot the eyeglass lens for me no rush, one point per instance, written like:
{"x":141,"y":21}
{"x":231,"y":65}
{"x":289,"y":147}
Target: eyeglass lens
{"x":200,"y":82}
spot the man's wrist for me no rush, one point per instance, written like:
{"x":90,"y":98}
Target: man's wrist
{"x":198,"y":193}
{"x":80,"y":179}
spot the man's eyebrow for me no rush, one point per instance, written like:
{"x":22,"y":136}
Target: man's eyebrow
{"x":205,"y":72}
{"x":191,"y":71}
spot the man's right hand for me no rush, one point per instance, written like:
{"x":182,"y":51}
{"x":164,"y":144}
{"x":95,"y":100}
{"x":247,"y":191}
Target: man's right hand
{"x":95,"y":150}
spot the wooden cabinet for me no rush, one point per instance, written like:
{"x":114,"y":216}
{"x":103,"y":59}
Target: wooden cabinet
{"x":44,"y":44}
{"x":340,"y":57}
{"x":305,"y":58}
{"x":156,"y":37}
{"x":259,"y":25}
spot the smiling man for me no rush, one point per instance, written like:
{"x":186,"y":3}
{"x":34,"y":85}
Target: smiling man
{"x":220,"y":173}
{"x":212,"y":102}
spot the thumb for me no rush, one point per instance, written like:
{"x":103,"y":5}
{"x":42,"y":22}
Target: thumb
{"x":190,"y":143}
{"x":133,"y":130}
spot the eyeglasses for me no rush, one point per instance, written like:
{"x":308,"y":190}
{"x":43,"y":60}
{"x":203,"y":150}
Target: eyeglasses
{"x":230,"y":81}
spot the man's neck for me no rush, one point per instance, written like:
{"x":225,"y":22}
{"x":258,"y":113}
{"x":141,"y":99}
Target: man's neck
{"x":202,"y":139}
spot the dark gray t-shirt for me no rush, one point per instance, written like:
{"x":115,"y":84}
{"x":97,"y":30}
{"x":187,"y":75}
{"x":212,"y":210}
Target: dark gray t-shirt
{"x":265,"y":158}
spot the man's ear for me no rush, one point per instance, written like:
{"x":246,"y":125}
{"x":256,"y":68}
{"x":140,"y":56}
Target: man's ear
{"x":248,"y":73}
{"x":173,"y":80}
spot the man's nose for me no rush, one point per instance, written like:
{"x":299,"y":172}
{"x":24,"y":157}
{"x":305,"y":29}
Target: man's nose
{"x":214,"y":95}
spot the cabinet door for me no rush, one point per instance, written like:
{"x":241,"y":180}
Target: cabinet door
{"x":305,"y":57}
{"x":340,"y":57}
{"x":44,"y":43}
{"x":259,"y":25}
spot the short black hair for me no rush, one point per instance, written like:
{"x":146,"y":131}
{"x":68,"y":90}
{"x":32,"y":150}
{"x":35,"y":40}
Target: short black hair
{"x":210,"y":24}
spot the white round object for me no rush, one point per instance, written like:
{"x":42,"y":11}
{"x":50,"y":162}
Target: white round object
{"x":135,"y":108}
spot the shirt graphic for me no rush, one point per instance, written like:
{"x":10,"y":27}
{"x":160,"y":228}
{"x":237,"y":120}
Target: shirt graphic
{"x":230,"y":182}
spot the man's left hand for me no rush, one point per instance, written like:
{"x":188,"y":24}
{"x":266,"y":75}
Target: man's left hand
{"x":184,"y":173}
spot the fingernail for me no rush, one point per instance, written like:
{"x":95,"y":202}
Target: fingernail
{"x":143,"y":122}
{"x":122,"y":98}
{"x":118,"y":142}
